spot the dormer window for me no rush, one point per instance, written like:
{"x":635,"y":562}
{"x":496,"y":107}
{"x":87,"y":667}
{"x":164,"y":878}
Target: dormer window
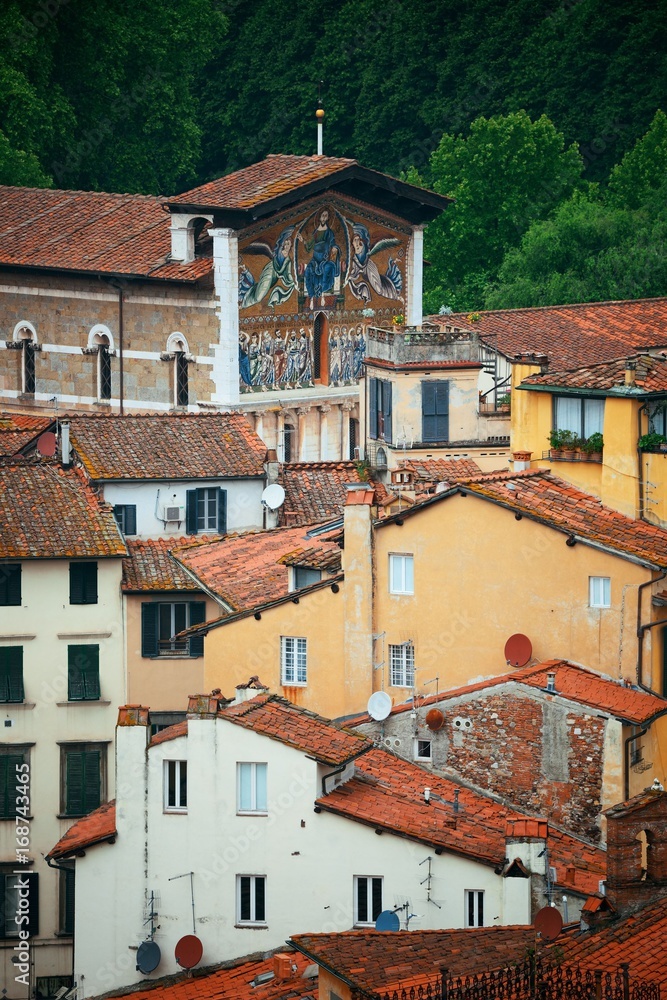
{"x":189,"y":237}
{"x":304,"y":576}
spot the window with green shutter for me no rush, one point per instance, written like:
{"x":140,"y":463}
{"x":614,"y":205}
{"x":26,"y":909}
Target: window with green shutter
{"x":162,"y":621}
{"x":11,"y":757}
{"x":66,"y":901}
{"x":82,"y":778}
{"x":9,"y":903}
{"x":83,"y":673}
{"x":11,"y":674}
{"x":83,"y":583}
{"x":10,"y":585}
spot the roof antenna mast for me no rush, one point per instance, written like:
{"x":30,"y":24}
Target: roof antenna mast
{"x":319,"y":115}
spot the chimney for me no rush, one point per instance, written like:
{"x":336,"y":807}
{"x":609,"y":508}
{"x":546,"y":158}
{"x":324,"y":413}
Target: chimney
{"x":631,"y":373}
{"x":521,"y":460}
{"x":551,"y":681}
{"x":282,"y":965}
{"x":319,"y":116}
{"x":65,"y":447}
{"x":205,"y":706}
{"x":244,"y":692}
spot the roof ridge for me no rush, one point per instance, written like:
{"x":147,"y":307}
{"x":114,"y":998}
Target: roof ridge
{"x":564,"y":305}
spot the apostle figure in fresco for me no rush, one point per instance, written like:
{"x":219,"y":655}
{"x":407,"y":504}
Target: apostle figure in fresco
{"x":324,"y":266}
{"x":292,"y":369}
{"x":276,"y":279}
{"x":254,"y":359}
{"x":244,"y":361}
{"x":345,"y":355}
{"x":334,"y":356}
{"x":364,"y":277}
{"x":267,"y":368}
{"x":359,"y":353}
{"x":305,"y":358}
{"x":279,"y":358}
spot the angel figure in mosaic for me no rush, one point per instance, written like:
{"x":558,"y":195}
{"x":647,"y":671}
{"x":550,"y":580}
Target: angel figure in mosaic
{"x":277,"y":277}
{"x":364,"y":278}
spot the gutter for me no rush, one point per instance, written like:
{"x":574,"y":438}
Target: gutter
{"x":341,"y":768}
{"x":641,"y":629}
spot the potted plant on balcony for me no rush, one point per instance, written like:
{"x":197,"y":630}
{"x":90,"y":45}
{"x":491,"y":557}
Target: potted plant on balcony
{"x":651,"y":442}
{"x":503,"y":403}
{"x":556,"y":443}
{"x":569,"y":444}
{"x":592,"y":447}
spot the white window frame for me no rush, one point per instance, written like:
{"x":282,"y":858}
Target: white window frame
{"x":401,"y":578}
{"x":599,"y":591}
{"x":177,"y":806}
{"x":423,"y":756}
{"x":293,"y":661}
{"x":474,"y":896}
{"x":402,"y":665}
{"x":258,"y":789}
{"x":368,"y":880}
{"x":252,"y":920}
{"x":208,"y":496}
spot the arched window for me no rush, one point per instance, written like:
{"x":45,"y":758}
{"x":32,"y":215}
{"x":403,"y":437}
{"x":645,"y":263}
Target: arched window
{"x":103,"y":345}
{"x":321,"y":349}
{"x":25,"y":335}
{"x":645,"y":838}
{"x":181,"y":393}
{"x":289,"y":441}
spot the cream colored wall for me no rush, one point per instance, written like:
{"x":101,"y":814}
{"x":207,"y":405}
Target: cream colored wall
{"x":655,"y":753}
{"x":162,"y":683}
{"x":481,"y":576}
{"x":235,"y":652}
{"x":407,"y":402}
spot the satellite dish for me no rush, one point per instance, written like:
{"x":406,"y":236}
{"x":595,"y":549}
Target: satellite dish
{"x":388,"y":921}
{"x":518,"y":650}
{"x":273,"y":496}
{"x":188,"y":951}
{"x":435,"y":719}
{"x":548,"y":922}
{"x":148,"y":956}
{"x":46,"y":444}
{"x":379,"y":705}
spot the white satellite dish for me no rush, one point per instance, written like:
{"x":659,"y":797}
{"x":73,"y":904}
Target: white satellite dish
{"x":273,"y":496}
{"x":379,"y":705}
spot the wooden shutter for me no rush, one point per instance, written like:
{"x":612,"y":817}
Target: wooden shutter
{"x":67,"y":901}
{"x":197,"y":616}
{"x":222,"y":512}
{"x":10,"y":585}
{"x":90,"y":582}
{"x":82,"y":778}
{"x":130,"y":519}
{"x":386,"y":409}
{"x":191,"y":512}
{"x":435,"y":411}
{"x":11,"y":674}
{"x":373,"y":408}
{"x":8,"y":764}
{"x":32,"y":926}
{"x":91,"y":780}
{"x":76,"y":583}
{"x":83,"y":672}
{"x":149,"y":629}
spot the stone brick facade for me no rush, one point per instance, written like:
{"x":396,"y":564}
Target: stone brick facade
{"x":637,"y":851}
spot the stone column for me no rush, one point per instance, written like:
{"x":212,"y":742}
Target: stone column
{"x":280,"y":435}
{"x":346,"y":410}
{"x":225,"y":372}
{"x":325,"y":409}
{"x":302,"y":412}
{"x":415,"y":278}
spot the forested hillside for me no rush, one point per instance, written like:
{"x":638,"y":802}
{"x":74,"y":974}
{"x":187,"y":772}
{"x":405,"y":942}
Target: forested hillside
{"x":519,"y":108}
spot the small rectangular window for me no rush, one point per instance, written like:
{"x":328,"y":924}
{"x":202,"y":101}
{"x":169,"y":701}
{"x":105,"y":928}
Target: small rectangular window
{"x":11,"y":674}
{"x":206,"y":510}
{"x":304,"y":576}
{"x":293,"y":658}
{"x":66,"y":901}
{"x":13,"y":762}
{"x":367,"y":898}
{"x":422,"y":749}
{"x":10,"y":585}
{"x":474,"y":907}
{"x":251,"y":788}
{"x":83,"y":673}
{"x":402,"y":665}
{"x":251,"y":899}
{"x":175,"y":785}
{"x":83,"y":774}
{"x":83,"y":583}
{"x":599,"y":591}
{"x":11,"y":885}
{"x":401,"y":573}
{"x":126,"y":517}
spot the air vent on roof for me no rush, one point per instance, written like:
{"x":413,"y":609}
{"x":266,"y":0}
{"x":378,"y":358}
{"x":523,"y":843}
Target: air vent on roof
{"x":173,"y":514}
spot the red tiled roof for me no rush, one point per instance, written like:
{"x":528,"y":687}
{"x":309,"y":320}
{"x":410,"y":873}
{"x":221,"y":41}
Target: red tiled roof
{"x":247,"y":570}
{"x":281,"y":720}
{"x":314,"y":557}
{"x":89,"y":231}
{"x":233,"y":983}
{"x":18,"y":430}
{"x":316,"y":491}
{"x":542,"y":495}
{"x":650,"y":375}
{"x":51,"y":513}
{"x":440,"y":470}
{"x":168,"y":446}
{"x":170,"y":733}
{"x":573,"y":335}
{"x":149,"y":565}
{"x":387,"y":792}
{"x":97,"y":826}
{"x":375,"y":961}
{"x":573,"y":682}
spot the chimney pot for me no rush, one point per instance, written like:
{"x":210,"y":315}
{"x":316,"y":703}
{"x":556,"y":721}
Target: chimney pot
{"x":282,"y":965}
{"x":132,"y":715}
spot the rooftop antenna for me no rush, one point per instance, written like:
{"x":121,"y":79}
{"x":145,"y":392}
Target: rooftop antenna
{"x":319,"y":116}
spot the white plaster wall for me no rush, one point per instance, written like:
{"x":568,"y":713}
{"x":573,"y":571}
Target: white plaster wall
{"x":244,"y":508}
{"x":45,"y":614}
{"x":309,"y":860}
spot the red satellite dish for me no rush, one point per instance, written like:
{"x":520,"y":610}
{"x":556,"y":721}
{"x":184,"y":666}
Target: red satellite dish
{"x":435,"y":719}
{"x":188,"y":951}
{"x":518,"y":650}
{"x":548,"y":922}
{"x":46,"y":444}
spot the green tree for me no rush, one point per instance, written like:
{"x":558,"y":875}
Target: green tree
{"x":642,"y":170}
{"x":508,"y":172}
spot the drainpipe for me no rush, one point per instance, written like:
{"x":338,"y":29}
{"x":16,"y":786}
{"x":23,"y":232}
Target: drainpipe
{"x":640,"y":477}
{"x":339,"y":770}
{"x":641,"y":629}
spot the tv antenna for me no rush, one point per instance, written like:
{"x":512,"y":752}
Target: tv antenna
{"x":192,"y":892}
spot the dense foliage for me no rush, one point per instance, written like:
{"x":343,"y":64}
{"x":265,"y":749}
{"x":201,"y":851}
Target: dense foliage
{"x":522,"y":109}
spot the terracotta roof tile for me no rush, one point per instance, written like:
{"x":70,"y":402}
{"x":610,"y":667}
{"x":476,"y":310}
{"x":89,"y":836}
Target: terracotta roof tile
{"x":430,"y":472}
{"x":18,"y":430}
{"x":316,"y":491}
{"x":650,"y":375}
{"x":170,"y":733}
{"x":97,"y":826}
{"x":168,"y":446}
{"x":149,"y":565}
{"x":281,"y":720}
{"x":52,"y":513}
{"x":235,"y":982}
{"x":248,"y":570}
{"x":89,"y":231}
{"x":572,"y":335}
